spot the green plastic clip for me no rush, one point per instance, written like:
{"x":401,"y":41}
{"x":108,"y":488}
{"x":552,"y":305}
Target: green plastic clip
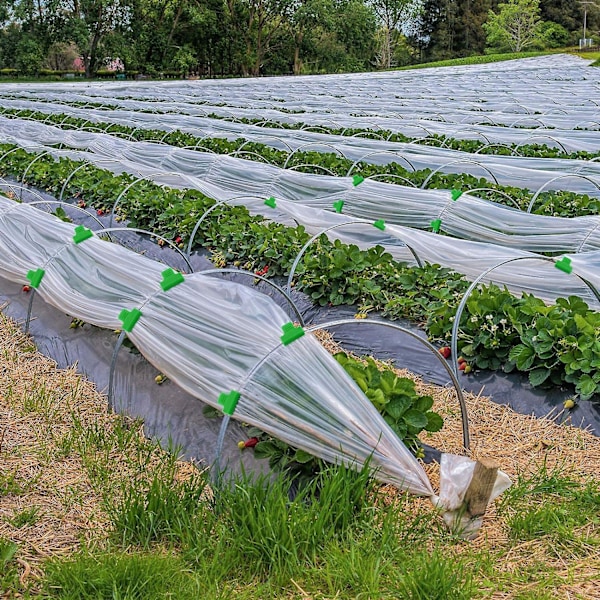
{"x":171,"y":278}
{"x":130,"y":318}
{"x":379,"y":224}
{"x":271,"y":202}
{"x":435,"y":225}
{"x":357,"y":179}
{"x":338,"y":205}
{"x":564,"y":264}
{"x":35,"y":277}
{"x":81,"y":234}
{"x":291,"y":333}
{"x":229,"y":401}
{"x":455,"y":194}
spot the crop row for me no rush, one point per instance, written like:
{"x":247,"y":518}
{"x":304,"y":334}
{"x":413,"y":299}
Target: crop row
{"x":441,"y":141}
{"x":558,"y":344}
{"x":549,"y":202}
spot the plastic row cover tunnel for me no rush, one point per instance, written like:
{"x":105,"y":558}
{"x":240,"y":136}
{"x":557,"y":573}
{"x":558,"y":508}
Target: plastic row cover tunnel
{"x":215,"y":337}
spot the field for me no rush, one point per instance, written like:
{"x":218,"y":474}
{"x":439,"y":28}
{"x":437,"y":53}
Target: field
{"x":457,"y":205}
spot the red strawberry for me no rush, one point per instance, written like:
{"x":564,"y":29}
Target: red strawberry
{"x":462,"y":366}
{"x":26,"y":288}
{"x":445,"y":351}
{"x":177,"y":240}
{"x":99,"y":212}
{"x":251,"y":442}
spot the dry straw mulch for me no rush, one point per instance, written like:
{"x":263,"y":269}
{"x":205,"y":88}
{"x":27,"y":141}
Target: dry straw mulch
{"x":37,"y":401}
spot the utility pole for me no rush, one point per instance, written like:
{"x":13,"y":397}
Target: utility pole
{"x":585,"y":4}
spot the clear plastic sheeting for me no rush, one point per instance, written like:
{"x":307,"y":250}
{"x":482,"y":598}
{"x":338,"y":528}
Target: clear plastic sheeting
{"x":211,"y":337}
{"x":537,"y":275}
{"x":505,"y":102}
{"x":225,"y":177}
{"x":516,"y":170}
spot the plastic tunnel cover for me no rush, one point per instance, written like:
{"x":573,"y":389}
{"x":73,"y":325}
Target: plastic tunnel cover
{"x":211,"y":337}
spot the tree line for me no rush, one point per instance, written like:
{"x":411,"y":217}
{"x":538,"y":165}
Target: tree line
{"x":211,"y":38}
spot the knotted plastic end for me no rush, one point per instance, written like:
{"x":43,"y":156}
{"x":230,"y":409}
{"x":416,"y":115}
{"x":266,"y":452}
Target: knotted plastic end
{"x":380,"y":224}
{"x":229,"y":401}
{"x":171,"y":278}
{"x":271,"y":202}
{"x":81,"y":234}
{"x":291,"y":333}
{"x":130,"y":318}
{"x":564,"y":264}
{"x":35,"y":277}
{"x":338,"y":205}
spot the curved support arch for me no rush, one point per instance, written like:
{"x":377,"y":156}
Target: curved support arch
{"x":166,"y":134}
{"x":64,"y":187}
{"x":480,"y":114}
{"x":272,"y":352}
{"x":404,"y":180}
{"x":270,"y":123}
{"x":319,"y":128}
{"x":318,"y":144}
{"x":207,"y":212}
{"x":428,"y":345}
{"x":369,"y":135}
{"x":527,"y":118}
{"x":246,"y":142}
{"x":260,"y":158}
{"x":174,"y":246}
{"x":457,"y":162}
{"x":430,"y":138}
{"x":65,"y":119}
{"x":547,"y":183}
{"x":587,"y":237}
{"x":92,"y":129}
{"x":500,"y":192}
{"x":541,"y":136}
{"x":477,"y":281}
{"x":318,"y":235}
{"x":23,"y":177}
{"x":21,"y":188}
{"x":394,"y":154}
{"x":319,"y":167}
{"x":11,"y":151}
{"x":126,"y":189}
{"x":513,"y":150}
{"x":73,"y":206}
{"x":297,"y":314}
{"x":580,"y":124}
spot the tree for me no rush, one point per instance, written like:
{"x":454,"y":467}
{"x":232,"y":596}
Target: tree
{"x":446,"y":28}
{"x":516,"y":26}
{"x":391,"y":14}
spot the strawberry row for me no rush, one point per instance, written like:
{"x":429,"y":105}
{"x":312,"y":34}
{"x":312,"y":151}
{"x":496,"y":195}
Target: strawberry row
{"x":554,"y":345}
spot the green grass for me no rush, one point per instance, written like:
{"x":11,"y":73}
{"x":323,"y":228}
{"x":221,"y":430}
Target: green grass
{"x":476,"y":60}
{"x":170,"y":535}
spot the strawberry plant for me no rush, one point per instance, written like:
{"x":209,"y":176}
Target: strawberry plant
{"x":396,"y":399}
{"x":549,"y":202}
{"x":556,"y":345}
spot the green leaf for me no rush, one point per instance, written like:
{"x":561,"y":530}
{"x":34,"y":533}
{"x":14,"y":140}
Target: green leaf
{"x":301,"y":456}
{"x":415,"y":418}
{"x":266,"y":450}
{"x":538,"y":376}
{"x":523,"y":356}
{"x":424,"y":403}
{"x":397,"y":406}
{"x":434,"y":422}
{"x":586,"y":387}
